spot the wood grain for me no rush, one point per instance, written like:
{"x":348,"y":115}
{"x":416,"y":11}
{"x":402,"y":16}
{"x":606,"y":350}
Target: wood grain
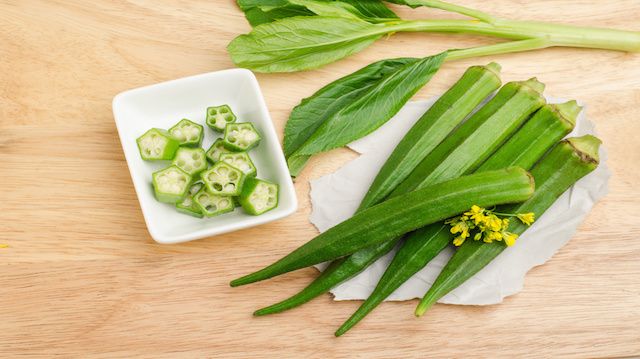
{"x":82,"y":277}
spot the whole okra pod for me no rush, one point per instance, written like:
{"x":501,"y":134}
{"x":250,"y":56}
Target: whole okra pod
{"x":434,"y":125}
{"x":543,"y":130}
{"x":392,"y":218}
{"x":569,"y":161}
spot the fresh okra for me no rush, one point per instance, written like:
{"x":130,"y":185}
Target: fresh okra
{"x":211,"y":204}
{"x":258,"y":196}
{"x":223,"y":179}
{"x":563,"y":166}
{"x":188,"y":205}
{"x":216,"y":150}
{"x":240,"y":136}
{"x":456,"y":155}
{"x":188,"y":133}
{"x":436,"y":123}
{"x":219,"y":116}
{"x":241,"y":161}
{"x":477,"y":138}
{"x":191,"y":160}
{"x":171,"y":184}
{"x":402,"y":214}
{"x":541,"y":132}
{"x":157,"y":144}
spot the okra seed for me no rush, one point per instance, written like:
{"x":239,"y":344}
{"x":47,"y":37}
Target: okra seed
{"x":211,"y":208}
{"x":224,"y":203}
{"x":228,"y":118}
{"x":223,"y":171}
{"x":233,"y":176}
{"x":224,"y":110}
{"x":217,"y":186}
{"x":229,"y":187}
{"x":196,"y":156}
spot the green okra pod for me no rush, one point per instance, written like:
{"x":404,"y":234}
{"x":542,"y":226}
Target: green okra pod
{"x":394,"y":217}
{"x":478,"y":137}
{"x":543,"y":130}
{"x":563,"y":166}
{"x":436,"y":123}
{"x":483,"y":119}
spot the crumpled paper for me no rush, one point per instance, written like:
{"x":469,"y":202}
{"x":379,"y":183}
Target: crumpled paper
{"x":336,"y":196}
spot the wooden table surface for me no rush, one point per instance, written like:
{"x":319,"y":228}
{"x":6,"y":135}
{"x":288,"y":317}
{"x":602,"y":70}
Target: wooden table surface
{"x":81,"y":276}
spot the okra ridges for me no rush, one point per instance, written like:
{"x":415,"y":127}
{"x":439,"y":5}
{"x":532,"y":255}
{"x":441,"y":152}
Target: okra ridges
{"x":212,"y":204}
{"x":240,"y":136}
{"x":190,"y":160}
{"x":219,"y":116}
{"x":241,"y":161}
{"x":216,"y":150}
{"x":223,"y":179}
{"x":157,"y":144}
{"x":187,"y":132}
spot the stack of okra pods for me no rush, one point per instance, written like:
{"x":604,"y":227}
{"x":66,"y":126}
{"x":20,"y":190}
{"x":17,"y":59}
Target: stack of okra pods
{"x":455,"y":163}
{"x":194,"y":187}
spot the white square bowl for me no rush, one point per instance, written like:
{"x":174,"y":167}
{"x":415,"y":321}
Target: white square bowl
{"x":164,"y":104}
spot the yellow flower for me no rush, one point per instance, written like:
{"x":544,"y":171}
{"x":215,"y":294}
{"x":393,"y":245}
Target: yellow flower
{"x":458,"y":241}
{"x":493,"y":222}
{"x":478,"y":236}
{"x":460,"y":227}
{"x":510,"y":238}
{"x":526,"y":218}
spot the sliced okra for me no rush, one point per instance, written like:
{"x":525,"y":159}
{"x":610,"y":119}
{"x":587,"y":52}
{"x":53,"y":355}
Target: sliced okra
{"x":212,"y":204}
{"x":171,"y":184}
{"x":223,"y":179}
{"x":188,"y":205}
{"x":259,"y":196}
{"x":241,"y":136}
{"x":191,"y":160}
{"x":189,"y":133}
{"x":216,"y":150}
{"x":241,"y":161}
{"x":157,"y":144}
{"x":219,"y":116}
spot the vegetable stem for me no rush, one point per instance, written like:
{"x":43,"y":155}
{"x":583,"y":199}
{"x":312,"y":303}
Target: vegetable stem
{"x":556,"y":34}
{"x":442,"y":5}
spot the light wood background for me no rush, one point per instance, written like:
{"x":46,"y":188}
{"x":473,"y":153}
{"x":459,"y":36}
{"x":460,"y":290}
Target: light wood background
{"x":82,"y":278}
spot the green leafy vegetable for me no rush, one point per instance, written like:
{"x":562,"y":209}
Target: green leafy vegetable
{"x":326,"y":102}
{"x":264,"y":11}
{"x":260,"y":12}
{"x":371,"y":109}
{"x":307,"y":42}
{"x":302,"y":43}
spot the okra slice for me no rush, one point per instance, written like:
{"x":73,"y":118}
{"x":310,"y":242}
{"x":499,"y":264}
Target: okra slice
{"x":191,"y":160}
{"x":241,"y":161}
{"x":223,"y":179}
{"x":188,"y":205}
{"x":188,"y":133}
{"x":241,"y":136}
{"x":219,"y":116}
{"x":212,"y":204}
{"x":216,"y":150}
{"x":157,"y":144}
{"x":171,"y":184}
{"x":259,"y":196}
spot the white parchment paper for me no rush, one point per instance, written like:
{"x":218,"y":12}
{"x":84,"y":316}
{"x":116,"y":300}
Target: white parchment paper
{"x":336,"y":196}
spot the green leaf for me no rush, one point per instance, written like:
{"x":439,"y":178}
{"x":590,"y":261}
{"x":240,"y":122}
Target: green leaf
{"x":371,"y":11}
{"x":326,"y":102}
{"x":301,"y":43}
{"x":367,"y":110}
{"x":260,"y":12}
